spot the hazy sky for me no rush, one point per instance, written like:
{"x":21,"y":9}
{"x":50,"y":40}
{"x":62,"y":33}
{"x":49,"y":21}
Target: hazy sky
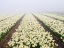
{"x":31,"y":6}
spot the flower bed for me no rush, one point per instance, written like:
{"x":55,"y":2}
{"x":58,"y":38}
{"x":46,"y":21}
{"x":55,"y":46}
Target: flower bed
{"x":55,"y":25}
{"x":55,"y":16}
{"x":6,"y":25}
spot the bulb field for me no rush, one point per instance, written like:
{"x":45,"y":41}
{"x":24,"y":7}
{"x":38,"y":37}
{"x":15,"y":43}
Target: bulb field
{"x":32,"y":30}
{"x":55,"y":16}
{"x":55,"y":25}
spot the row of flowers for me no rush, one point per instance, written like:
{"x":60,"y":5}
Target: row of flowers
{"x":55,"y":25}
{"x":55,"y":16}
{"x":7,"y":24}
{"x":59,"y":14}
{"x":30,"y":34}
{"x":2,"y":17}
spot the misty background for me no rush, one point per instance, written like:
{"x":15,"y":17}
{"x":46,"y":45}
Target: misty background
{"x":17,"y":6}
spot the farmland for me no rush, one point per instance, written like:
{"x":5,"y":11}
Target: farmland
{"x":32,"y":30}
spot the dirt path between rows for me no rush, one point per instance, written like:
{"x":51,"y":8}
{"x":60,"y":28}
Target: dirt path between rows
{"x":61,"y":45}
{"x":4,"y":42}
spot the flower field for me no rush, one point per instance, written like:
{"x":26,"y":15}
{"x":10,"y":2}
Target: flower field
{"x":30,"y":33}
{"x":7,"y":24}
{"x":55,"y":25}
{"x":55,"y":16}
{"x":2,"y":17}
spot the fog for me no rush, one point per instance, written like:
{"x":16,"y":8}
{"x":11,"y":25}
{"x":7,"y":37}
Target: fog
{"x":16,"y":6}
